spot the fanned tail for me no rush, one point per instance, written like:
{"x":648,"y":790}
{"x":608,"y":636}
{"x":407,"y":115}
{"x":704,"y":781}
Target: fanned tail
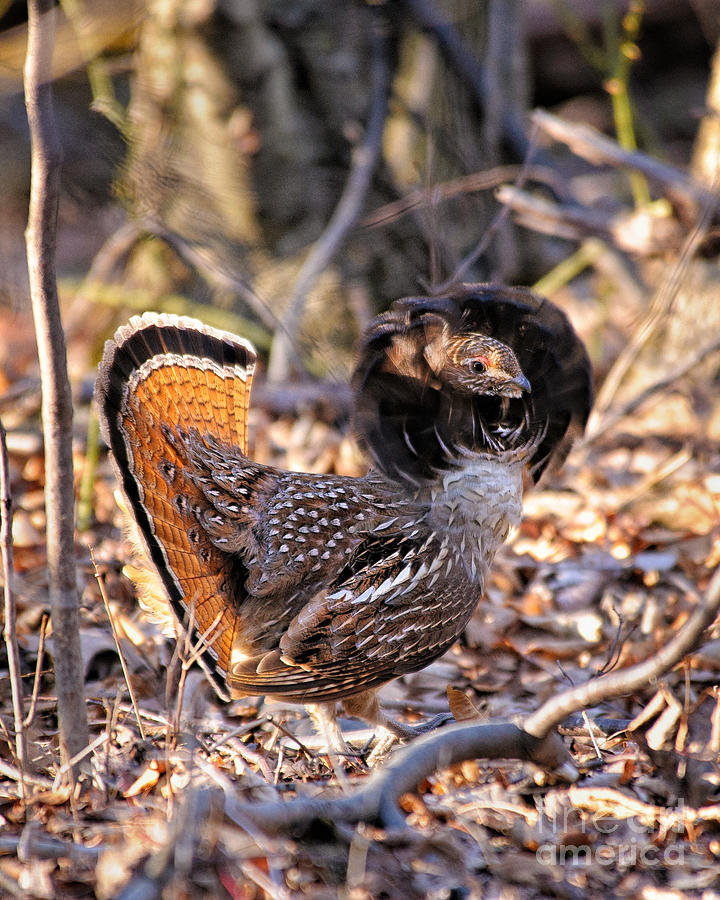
{"x":162,"y":376}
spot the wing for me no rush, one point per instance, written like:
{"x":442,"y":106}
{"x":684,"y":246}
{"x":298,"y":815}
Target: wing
{"x":393,"y":608}
{"x":307,"y":546}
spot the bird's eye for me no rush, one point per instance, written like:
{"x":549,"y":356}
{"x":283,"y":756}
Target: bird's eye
{"x":477,"y":366}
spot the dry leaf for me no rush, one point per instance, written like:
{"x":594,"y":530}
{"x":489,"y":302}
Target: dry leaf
{"x":462,"y":707}
{"x":147,"y":780}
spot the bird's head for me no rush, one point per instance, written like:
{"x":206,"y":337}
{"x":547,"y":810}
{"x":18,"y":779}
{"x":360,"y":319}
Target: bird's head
{"x":486,"y":369}
{"x":476,"y":364}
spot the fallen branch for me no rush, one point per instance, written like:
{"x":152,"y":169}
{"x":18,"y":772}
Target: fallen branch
{"x":377,"y":800}
{"x":634,"y":678}
{"x":40,"y":846}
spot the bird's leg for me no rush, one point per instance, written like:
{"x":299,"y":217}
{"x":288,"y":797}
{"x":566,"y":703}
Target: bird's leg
{"x":324,"y":718}
{"x":366,"y":706}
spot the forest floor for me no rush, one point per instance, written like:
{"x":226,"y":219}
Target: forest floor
{"x":614,"y":552}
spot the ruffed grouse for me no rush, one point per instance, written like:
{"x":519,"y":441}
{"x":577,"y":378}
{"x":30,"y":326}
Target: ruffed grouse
{"x":319,"y":588}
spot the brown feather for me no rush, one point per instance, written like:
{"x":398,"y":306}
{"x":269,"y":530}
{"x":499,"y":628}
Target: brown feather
{"x":316,"y":588}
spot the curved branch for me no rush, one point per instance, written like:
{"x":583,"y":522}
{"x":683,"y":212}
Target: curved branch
{"x":377,"y":800}
{"x":633,"y":678}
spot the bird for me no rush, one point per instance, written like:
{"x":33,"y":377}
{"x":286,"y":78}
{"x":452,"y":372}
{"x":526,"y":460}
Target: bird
{"x":319,"y":589}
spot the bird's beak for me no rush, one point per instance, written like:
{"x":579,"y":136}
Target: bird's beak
{"x":522,"y":382}
{"x":514,"y":387}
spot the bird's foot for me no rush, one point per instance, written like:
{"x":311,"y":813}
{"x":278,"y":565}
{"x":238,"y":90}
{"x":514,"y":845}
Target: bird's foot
{"x":390,"y":732}
{"x":324,"y":716}
{"x":407,"y":732}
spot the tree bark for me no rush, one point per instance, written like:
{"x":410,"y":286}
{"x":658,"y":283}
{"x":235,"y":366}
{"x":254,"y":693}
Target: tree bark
{"x":40,"y":239}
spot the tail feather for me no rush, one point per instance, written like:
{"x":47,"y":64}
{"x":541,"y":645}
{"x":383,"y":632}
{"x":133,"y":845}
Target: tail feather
{"x":160,"y":377}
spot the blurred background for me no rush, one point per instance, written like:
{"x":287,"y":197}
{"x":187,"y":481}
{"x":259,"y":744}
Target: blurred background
{"x":208,"y":143}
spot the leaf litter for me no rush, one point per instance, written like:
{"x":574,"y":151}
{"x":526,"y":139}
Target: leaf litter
{"x":612,"y":555}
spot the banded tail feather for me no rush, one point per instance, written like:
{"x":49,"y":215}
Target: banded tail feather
{"x":162,"y":378}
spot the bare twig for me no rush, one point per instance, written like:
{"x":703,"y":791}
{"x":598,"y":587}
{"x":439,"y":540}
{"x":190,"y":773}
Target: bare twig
{"x":113,"y":627}
{"x":456,"y":187}
{"x":117,"y":247}
{"x":57,"y":401}
{"x":597,"y":149}
{"x":14,"y":774}
{"x":634,"y":678}
{"x":153,"y":718}
{"x":67,"y":767}
{"x":252,"y":757}
{"x":188,"y":654}
{"x":38,"y":671}
{"x":661,"y":305}
{"x":86,"y":28}
{"x":208,"y":267}
{"x":10,"y":631}
{"x":288,"y":734}
{"x":347,"y":212}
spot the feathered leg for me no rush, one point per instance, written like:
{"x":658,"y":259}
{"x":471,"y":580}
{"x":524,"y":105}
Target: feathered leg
{"x":366,"y":706}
